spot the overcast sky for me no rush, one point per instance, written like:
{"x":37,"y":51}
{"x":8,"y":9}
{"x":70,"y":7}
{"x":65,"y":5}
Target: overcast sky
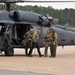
{"x":59,"y":5}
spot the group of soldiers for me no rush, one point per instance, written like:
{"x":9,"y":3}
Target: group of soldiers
{"x":31,"y":41}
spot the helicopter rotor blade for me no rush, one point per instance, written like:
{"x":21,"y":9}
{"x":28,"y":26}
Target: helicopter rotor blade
{"x":11,"y":1}
{"x":46,"y":1}
{"x":42,"y":1}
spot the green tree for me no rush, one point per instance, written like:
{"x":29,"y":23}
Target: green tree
{"x":55,"y":21}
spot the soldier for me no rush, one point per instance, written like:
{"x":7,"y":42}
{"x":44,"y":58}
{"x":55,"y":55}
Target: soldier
{"x":47,"y":41}
{"x":28,"y":39}
{"x":35,"y":42}
{"x":53,"y":44}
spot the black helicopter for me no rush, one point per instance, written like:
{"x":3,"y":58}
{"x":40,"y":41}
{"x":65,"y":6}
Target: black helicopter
{"x":14,"y":24}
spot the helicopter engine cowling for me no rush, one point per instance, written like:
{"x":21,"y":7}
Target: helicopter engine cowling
{"x":26,"y":16}
{"x":30,"y":17}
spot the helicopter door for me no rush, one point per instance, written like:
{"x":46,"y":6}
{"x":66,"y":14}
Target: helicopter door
{"x":18,"y":32}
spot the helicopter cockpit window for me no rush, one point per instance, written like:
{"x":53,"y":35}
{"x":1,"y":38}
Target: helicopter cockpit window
{"x":2,"y":29}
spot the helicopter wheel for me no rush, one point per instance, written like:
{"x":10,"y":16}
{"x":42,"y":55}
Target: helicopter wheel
{"x":9,"y":51}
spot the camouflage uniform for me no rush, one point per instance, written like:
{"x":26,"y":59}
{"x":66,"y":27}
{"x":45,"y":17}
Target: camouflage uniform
{"x":27,"y":41}
{"x":47,"y":43}
{"x":53,"y":45}
{"x":35,"y":44}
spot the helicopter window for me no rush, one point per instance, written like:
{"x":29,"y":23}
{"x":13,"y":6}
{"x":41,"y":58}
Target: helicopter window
{"x":2,"y":29}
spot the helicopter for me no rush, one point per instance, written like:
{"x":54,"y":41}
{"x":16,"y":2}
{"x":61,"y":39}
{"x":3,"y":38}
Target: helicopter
{"x":14,"y":24}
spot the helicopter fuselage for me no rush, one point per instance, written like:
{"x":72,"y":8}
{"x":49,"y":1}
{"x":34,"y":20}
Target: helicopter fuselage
{"x":13,"y":26}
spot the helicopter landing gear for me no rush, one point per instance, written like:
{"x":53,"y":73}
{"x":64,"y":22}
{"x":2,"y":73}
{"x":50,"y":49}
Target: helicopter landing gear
{"x":7,"y":40}
{"x":9,"y":51}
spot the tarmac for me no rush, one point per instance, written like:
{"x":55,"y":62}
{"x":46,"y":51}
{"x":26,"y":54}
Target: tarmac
{"x":7,"y":72}
{"x":19,"y":64}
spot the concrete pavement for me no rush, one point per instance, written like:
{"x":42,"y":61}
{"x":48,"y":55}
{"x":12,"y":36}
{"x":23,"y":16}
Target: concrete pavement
{"x":7,"y":72}
{"x":63,"y":64}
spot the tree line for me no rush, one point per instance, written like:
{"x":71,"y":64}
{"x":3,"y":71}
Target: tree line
{"x":65,"y":16}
